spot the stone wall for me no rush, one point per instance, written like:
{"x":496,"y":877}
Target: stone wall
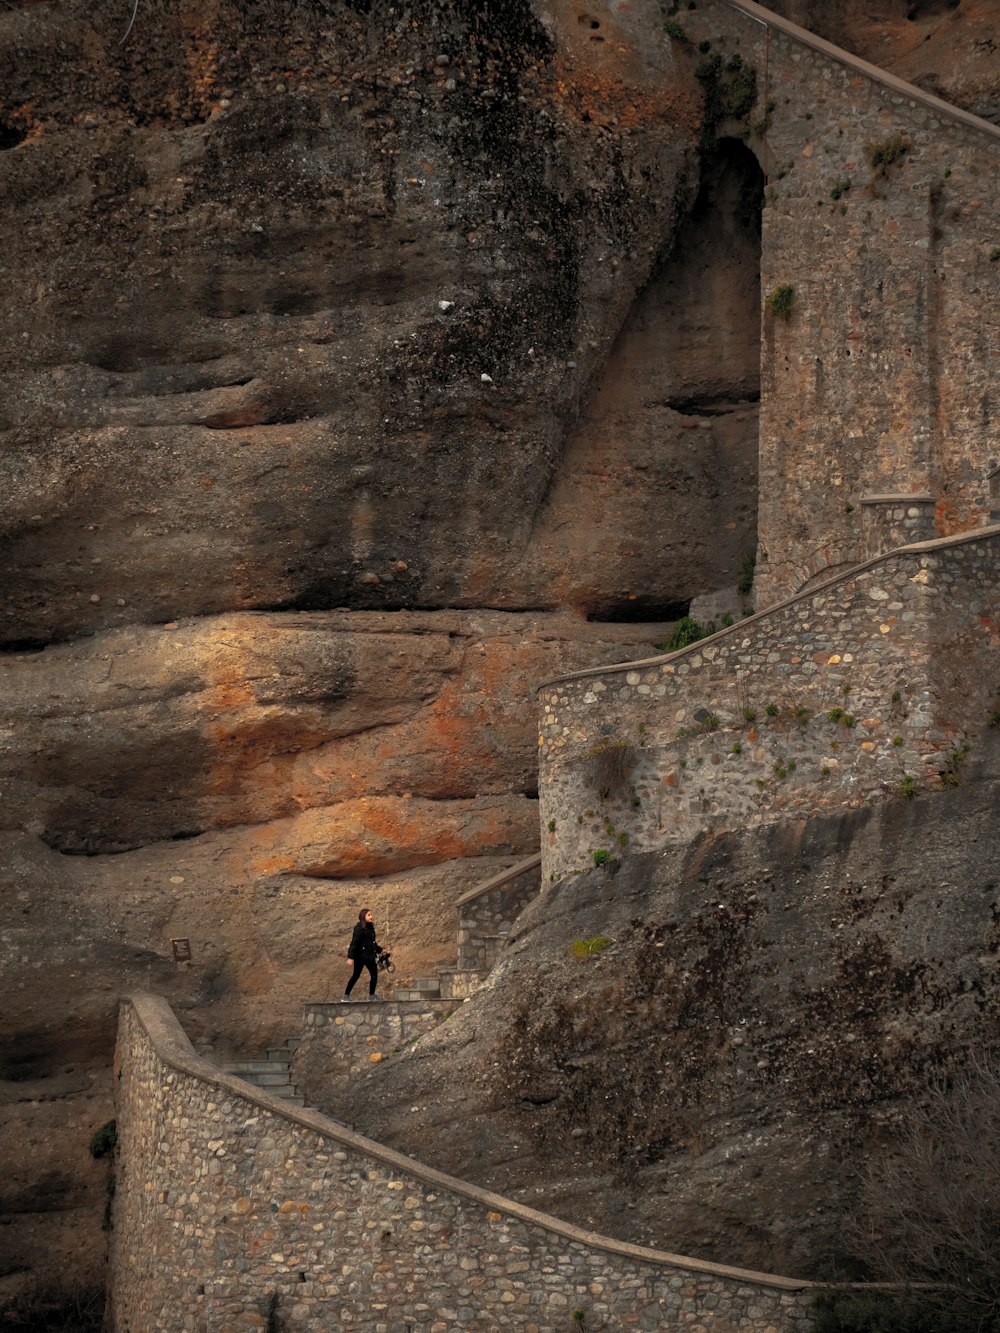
{"x":873,"y":686}
{"x":487,"y":912}
{"x":339,"y":1041}
{"x":235,"y":1212}
{"x":881,"y":378}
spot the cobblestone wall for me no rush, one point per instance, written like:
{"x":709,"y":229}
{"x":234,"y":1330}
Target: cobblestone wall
{"x":233,"y":1212}
{"x":873,"y":686}
{"x":340,"y":1040}
{"x":486,"y":914}
{"x":881,"y":379}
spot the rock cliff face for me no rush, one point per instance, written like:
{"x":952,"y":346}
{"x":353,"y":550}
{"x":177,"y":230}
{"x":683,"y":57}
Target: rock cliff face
{"x":320,"y":321}
{"x":352,"y":356}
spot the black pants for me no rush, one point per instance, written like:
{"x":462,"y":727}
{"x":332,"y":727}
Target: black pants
{"x":359,"y":965}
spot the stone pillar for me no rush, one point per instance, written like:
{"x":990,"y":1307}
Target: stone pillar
{"x":888,"y":521}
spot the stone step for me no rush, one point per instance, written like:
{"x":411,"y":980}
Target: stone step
{"x":272,"y":1075}
{"x":278,"y":1079}
{"x":409,"y":993}
{"x":428,"y":984}
{"x":288,"y":1095}
{"x":268,"y":1066}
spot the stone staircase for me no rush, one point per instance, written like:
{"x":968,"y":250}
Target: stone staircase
{"x":338,"y":1041}
{"x":273,"y":1073}
{"x":486,"y":914}
{"x":423,"y":988}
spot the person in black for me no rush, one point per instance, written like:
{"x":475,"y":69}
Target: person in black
{"x":364,"y":952}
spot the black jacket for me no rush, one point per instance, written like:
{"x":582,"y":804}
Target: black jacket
{"x":363,"y":947}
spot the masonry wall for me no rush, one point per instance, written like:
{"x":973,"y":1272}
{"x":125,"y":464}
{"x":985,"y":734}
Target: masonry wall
{"x":486,"y":914}
{"x":339,"y":1041}
{"x":232,"y":1210}
{"x":882,"y":380}
{"x":873,"y":686}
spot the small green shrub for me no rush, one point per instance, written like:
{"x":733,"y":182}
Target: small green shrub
{"x":749,"y":715}
{"x":737,"y":748}
{"x":552,"y":826}
{"x":686,"y":631}
{"x":675,"y":30}
{"x":951,"y":773}
{"x":105,"y":1139}
{"x":780,"y":302}
{"x":908,"y":787}
{"x":897,"y":741}
{"x":746,"y":575}
{"x":730,"y":93}
{"x":772,"y":710}
{"x":884,"y":153}
{"x":587,"y":948}
{"x":602,"y":856}
{"x":840,"y":188}
{"x":995,"y":256}
{"x":993,"y":720}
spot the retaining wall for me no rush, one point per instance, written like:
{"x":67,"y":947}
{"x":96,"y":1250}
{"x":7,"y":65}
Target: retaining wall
{"x":234,"y":1211}
{"x":487,"y":912}
{"x":340,"y":1041}
{"x":873,"y":686}
{"x":882,"y":378}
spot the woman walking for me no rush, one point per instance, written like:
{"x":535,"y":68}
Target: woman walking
{"x":364,"y":952}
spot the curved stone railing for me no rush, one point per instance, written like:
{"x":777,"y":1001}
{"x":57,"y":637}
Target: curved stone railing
{"x":234,"y":1210}
{"x":501,"y":879}
{"x":890,"y":82}
{"x":487,"y":912}
{"x":878,"y":226}
{"x":873,"y":685}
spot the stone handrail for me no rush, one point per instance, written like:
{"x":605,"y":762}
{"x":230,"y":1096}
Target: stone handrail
{"x":497,"y":881}
{"x":289,"y":1204}
{"x":176,"y":1052}
{"x":873,"y":685}
{"x":936,"y":104}
{"x":740,"y":626}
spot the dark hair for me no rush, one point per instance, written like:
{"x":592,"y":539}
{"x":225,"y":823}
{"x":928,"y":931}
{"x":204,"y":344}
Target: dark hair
{"x":363,"y":913}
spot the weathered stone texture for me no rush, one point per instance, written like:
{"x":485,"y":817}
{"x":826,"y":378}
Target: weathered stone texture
{"x":229,"y":1208}
{"x":338,"y":1042}
{"x":486,"y":914}
{"x":872,"y":686}
{"x":882,"y":378}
